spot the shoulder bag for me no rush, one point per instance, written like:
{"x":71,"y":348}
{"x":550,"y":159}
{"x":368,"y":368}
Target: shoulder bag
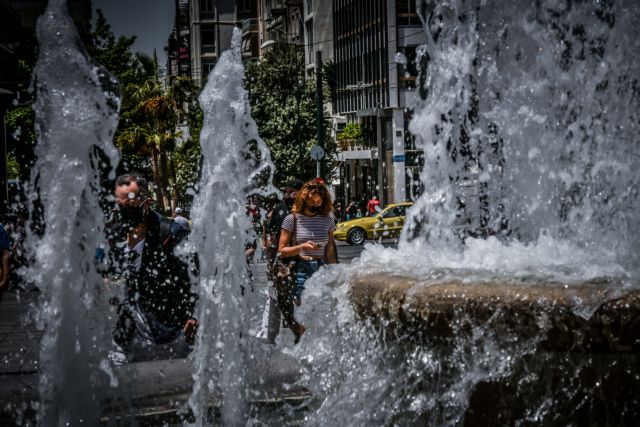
{"x":283,"y":274}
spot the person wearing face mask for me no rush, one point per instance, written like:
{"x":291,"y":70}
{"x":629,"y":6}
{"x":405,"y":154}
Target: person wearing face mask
{"x":155,"y":320}
{"x":307,"y":235}
{"x":271,"y":317}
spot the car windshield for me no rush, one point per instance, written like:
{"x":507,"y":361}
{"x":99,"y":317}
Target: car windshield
{"x":394,"y":212}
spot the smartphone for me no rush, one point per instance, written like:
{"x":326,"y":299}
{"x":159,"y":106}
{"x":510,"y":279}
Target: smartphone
{"x":318,"y":245}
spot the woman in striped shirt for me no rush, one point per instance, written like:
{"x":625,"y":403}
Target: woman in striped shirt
{"x":313,"y":245}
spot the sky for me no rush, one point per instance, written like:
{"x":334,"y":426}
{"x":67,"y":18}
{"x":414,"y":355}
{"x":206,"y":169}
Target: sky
{"x":151,"y":21}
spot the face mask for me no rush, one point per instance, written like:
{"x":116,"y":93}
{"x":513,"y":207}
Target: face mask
{"x":130,"y":216}
{"x":315,"y":209}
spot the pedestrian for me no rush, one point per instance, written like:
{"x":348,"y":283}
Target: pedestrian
{"x":373,"y":207}
{"x":17,"y":233}
{"x":155,"y":320}
{"x":307,"y":236}
{"x":338,"y":212}
{"x":271,"y":317}
{"x":180,"y":220}
{"x":351,"y":209}
{"x":253,"y":212}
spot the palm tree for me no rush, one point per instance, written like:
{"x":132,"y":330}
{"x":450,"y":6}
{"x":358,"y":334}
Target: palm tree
{"x":154,"y":111}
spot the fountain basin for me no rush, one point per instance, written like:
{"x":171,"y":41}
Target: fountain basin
{"x":517,"y":350}
{"x":593,"y":315}
{"x":148,"y":389}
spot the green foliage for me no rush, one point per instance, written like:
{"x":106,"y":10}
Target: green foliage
{"x":13,"y":168}
{"x":352,"y":131}
{"x":283,"y":105}
{"x":113,"y":53}
{"x":151,"y":113}
{"x":187,"y":170}
{"x":21,"y":138}
{"x":187,"y":158}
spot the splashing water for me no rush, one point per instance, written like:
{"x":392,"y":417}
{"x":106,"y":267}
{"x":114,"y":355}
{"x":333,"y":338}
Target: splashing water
{"x":528,"y":115}
{"x":535,"y":108}
{"x":76,"y":115}
{"x":235,"y":163}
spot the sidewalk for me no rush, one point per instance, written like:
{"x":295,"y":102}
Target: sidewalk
{"x":154,"y":387}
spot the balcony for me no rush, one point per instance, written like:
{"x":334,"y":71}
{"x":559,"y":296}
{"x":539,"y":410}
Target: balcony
{"x":208,"y":49}
{"x":278,"y":7}
{"x":249,"y":26}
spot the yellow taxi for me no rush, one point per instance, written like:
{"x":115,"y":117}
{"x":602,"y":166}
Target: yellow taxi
{"x":386,"y":223}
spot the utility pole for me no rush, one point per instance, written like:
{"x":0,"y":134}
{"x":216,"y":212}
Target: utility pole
{"x":319,"y":106}
{"x":5,"y":97}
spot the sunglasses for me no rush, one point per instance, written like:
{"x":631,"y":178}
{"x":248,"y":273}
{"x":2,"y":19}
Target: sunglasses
{"x":315,"y":186}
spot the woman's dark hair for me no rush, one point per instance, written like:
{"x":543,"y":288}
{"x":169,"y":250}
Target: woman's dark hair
{"x":309,"y":188}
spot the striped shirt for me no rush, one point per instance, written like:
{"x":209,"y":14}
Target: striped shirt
{"x":314,"y":228}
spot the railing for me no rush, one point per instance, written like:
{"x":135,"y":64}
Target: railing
{"x":278,"y":7}
{"x":249,"y":25}
{"x":207,"y":48}
{"x":353,"y":145}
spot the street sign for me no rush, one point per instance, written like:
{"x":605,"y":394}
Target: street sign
{"x":398,"y":158}
{"x":316,"y":152}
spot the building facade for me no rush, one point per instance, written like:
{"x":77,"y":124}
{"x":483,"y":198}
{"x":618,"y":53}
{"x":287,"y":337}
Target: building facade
{"x":211,"y":24}
{"x":373,"y":87}
{"x":178,"y":46}
{"x":318,"y":30}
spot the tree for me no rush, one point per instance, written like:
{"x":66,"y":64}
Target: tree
{"x":113,"y":53}
{"x":151,"y":114}
{"x":351,"y":134}
{"x":20,"y":118}
{"x":284,"y":107}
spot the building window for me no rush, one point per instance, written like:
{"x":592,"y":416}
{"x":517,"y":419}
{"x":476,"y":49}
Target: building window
{"x":207,"y":9}
{"x":206,"y":6}
{"x":408,"y":73}
{"x":310,"y":40}
{"x":207,"y":67}
{"x":309,"y":6}
{"x":207,"y":39}
{"x":407,"y":15}
{"x":244,"y":5}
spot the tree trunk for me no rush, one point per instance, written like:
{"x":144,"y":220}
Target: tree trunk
{"x":174,"y":187}
{"x":155,"y":166}
{"x":164,"y":179}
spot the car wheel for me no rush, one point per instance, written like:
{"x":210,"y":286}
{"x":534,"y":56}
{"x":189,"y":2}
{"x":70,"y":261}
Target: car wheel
{"x":356,"y":236}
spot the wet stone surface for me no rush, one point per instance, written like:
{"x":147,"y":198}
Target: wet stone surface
{"x":532,"y":349}
{"x":146,"y":390}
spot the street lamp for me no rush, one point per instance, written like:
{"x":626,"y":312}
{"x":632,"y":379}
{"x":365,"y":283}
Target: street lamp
{"x":267,"y":44}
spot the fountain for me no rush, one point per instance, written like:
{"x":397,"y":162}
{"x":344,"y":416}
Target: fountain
{"x":518,"y":307}
{"x":231,"y":147}
{"x":77,"y":111}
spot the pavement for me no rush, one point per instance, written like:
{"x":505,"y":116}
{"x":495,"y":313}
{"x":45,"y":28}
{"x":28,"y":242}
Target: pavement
{"x":20,"y":348}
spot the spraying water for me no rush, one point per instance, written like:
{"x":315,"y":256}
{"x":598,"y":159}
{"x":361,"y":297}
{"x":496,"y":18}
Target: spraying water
{"x":235,"y":164}
{"x":535,"y":108}
{"x":528,"y":115}
{"x":76,"y":115}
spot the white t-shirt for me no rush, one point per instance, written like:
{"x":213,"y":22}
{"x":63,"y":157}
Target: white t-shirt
{"x":315,"y":228}
{"x":134,"y":255}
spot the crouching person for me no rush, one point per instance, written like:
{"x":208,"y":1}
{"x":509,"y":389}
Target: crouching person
{"x":155,"y":319}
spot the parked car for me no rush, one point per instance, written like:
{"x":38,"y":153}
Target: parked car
{"x":387,"y":223}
